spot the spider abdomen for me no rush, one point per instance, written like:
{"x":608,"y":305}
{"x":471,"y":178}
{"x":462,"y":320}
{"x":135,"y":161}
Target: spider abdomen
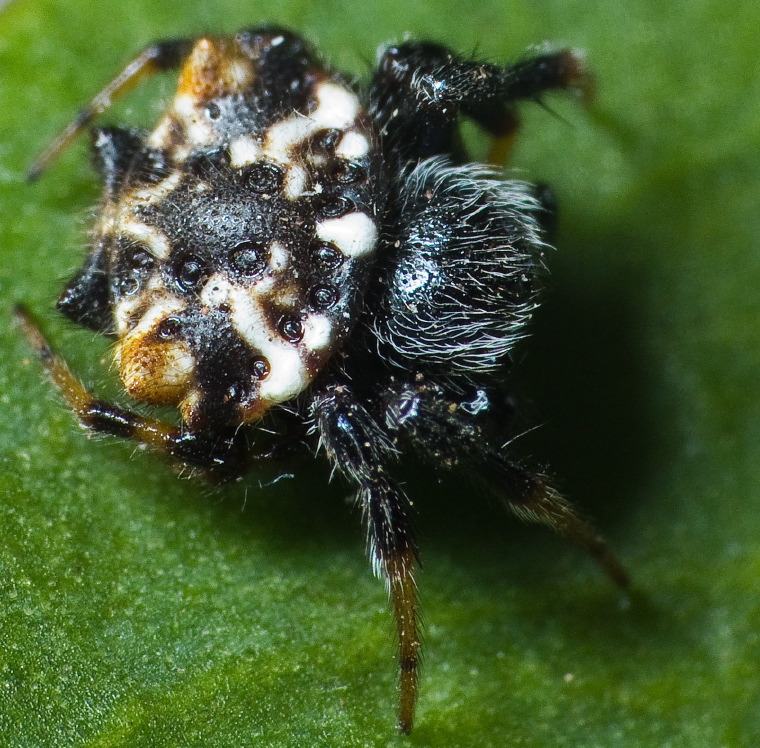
{"x":239,"y":233}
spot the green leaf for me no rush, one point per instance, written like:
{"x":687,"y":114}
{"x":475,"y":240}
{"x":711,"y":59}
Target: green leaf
{"x":142,"y":610}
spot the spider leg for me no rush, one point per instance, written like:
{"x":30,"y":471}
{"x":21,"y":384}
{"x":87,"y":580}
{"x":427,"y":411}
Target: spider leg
{"x":563,"y":70}
{"x":420,"y":88}
{"x":219,"y":457}
{"x":357,"y":446}
{"x":530,"y":496}
{"x":157,"y":57}
{"x":445,"y":430}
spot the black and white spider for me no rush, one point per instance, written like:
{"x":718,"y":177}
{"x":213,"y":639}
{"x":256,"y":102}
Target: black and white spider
{"x":290,"y":260}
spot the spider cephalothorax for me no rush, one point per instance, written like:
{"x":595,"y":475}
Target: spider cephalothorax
{"x":282,"y":242}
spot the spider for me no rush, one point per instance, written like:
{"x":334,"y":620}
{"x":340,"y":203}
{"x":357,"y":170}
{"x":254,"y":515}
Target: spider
{"x":290,"y":260}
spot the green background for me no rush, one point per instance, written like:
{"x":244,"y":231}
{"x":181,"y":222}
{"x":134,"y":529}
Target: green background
{"x":140,"y":610}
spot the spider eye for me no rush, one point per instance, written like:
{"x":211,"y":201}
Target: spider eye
{"x":138,"y":257}
{"x":264,"y":177}
{"x":349,"y":172}
{"x":323,"y":296}
{"x":334,"y":206}
{"x":190,"y":274}
{"x":327,"y":257}
{"x":260,"y":368}
{"x":247,"y":258}
{"x":137,"y":262}
{"x":291,"y":329}
{"x":168,"y":328}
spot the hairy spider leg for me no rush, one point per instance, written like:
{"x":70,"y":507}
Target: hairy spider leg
{"x":417,"y":94}
{"x":219,"y":457}
{"x":444,"y":431}
{"x":529,"y":79}
{"x":530,"y":497}
{"x":420,"y":89}
{"x":155,"y":58}
{"x":358,"y":448}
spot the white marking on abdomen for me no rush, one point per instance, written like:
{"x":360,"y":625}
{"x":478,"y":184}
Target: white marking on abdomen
{"x":337,"y":106}
{"x":353,"y":145}
{"x":287,"y":374}
{"x":162,"y":306}
{"x":317,"y":332}
{"x":284,"y":135}
{"x":295,"y":181}
{"x":279,"y":258}
{"x":124,"y":311}
{"x":148,"y":236}
{"x":355,"y":234}
{"x":157,"y":192}
{"x":197,"y":129}
{"x":217,"y":291}
{"x":244,"y":151}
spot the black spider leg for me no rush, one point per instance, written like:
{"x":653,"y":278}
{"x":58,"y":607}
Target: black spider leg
{"x":358,"y":448}
{"x":218,"y":456}
{"x":445,"y":430}
{"x":159,"y":56}
{"x":420,"y":88}
{"x":531,"y":497}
